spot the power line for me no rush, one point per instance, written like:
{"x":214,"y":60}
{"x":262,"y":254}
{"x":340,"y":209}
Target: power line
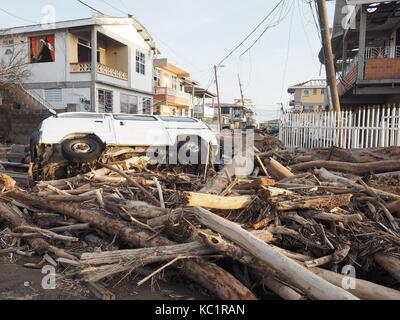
{"x":17,"y":17}
{"x":90,"y":7}
{"x":287,"y":53}
{"x":281,"y":17}
{"x":114,"y":7}
{"x":252,"y":32}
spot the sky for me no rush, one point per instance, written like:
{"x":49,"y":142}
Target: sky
{"x":198,"y":34}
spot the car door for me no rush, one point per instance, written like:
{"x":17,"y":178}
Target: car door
{"x":139,"y":130}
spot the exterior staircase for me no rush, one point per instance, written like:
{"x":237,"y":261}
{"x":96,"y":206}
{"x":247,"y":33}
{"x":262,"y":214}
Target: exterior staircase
{"x":28,"y":99}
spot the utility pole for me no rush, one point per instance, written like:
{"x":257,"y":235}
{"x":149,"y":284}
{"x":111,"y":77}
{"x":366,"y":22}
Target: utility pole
{"x":218,"y":99}
{"x":243,"y":104}
{"x":329,"y":64}
{"x":241,"y":90}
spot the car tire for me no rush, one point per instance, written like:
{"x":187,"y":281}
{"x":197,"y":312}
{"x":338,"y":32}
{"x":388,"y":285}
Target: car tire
{"x":195,"y":148}
{"x":83,"y":149}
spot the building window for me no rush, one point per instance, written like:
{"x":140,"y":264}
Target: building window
{"x":315,"y":92}
{"x":174,"y":83}
{"x":129,"y":104}
{"x":306,"y":92}
{"x":322,"y":91}
{"x":147,"y":102}
{"x":105,"y":101}
{"x":225,"y":111}
{"x":140,"y":62}
{"x":53,"y":95}
{"x":8,"y":42}
{"x":157,"y":77}
{"x":42,"y":49}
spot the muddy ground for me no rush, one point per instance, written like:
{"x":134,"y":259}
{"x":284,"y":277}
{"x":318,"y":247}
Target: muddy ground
{"x":20,"y":283}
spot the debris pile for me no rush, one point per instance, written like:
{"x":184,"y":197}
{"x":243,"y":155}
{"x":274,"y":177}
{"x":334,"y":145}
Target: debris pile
{"x":297,"y":232}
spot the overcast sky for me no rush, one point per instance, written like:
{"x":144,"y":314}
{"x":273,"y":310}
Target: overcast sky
{"x":197,"y":34}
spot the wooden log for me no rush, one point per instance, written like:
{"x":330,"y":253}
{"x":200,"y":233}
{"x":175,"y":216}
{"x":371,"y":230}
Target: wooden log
{"x":297,"y":275}
{"x":39,"y":245}
{"x":210,"y":201}
{"x":281,"y":289}
{"x":362,"y":289}
{"x":353,"y":168}
{"x":277,"y":170}
{"x":390,"y":263}
{"x":97,"y":266}
{"x":100,"y":291}
{"x":319,"y":202}
{"x":394,"y":208}
{"x":273,"y":192}
{"x":338,"y":218}
{"x":325,"y":175}
{"x":217,"y":280}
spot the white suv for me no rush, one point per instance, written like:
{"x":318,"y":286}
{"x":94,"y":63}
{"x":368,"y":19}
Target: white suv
{"x":83,"y":137}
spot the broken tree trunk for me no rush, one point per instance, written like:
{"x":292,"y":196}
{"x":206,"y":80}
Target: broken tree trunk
{"x":212,"y":277}
{"x":210,"y":201}
{"x":296,"y":275}
{"x":360,"y":288}
{"x":319,"y":202}
{"x":97,"y":266}
{"x":277,"y":170}
{"x":268,"y":275}
{"x":37,"y":244}
{"x":327,"y":176}
{"x":359,"y":169}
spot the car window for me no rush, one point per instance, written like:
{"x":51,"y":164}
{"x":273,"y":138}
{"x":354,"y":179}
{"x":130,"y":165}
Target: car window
{"x":178,"y":119}
{"x":134,"y":118}
{"x":81,"y":116}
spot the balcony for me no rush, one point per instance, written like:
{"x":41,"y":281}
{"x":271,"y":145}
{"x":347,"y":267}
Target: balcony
{"x":86,"y":67}
{"x":381,"y":63}
{"x":172,"y":96}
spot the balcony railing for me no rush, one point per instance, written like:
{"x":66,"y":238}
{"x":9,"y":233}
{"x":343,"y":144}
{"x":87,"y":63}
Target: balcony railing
{"x":382,"y":52}
{"x":86,"y":67}
{"x":172,"y":92}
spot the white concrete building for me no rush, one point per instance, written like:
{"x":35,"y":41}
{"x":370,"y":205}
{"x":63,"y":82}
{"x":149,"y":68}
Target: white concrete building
{"x":64,"y":70}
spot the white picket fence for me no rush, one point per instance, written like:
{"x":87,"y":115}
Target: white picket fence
{"x":367,"y":127}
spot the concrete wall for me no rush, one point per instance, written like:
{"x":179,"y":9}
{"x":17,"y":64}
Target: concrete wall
{"x":17,"y":123}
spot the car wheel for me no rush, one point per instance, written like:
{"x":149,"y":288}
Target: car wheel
{"x":192,"y":151}
{"x":81,"y":150}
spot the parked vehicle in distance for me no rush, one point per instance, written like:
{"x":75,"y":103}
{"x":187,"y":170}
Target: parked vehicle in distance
{"x":83,"y":137}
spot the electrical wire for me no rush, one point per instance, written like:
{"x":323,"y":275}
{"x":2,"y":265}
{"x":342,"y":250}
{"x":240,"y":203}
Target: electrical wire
{"x":251,"y":33}
{"x":114,"y":7}
{"x":282,"y":15}
{"x":17,"y":17}
{"x":287,"y":53}
{"x":90,"y":7}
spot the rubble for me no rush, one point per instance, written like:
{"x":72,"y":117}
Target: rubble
{"x":293,"y":233}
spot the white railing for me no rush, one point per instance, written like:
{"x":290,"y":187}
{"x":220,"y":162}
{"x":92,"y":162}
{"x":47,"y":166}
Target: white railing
{"x":382,"y":52}
{"x":361,"y":128}
{"x":86,"y":67}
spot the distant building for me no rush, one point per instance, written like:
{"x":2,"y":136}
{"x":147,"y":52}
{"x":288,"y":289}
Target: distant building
{"x":237,"y":115}
{"x":309,"y":96}
{"x":170,"y":97}
{"x":203,"y":105}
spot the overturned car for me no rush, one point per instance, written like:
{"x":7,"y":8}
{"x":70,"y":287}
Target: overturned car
{"x":85,"y":137}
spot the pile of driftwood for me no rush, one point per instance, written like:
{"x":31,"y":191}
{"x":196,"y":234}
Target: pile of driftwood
{"x":300,"y":232}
